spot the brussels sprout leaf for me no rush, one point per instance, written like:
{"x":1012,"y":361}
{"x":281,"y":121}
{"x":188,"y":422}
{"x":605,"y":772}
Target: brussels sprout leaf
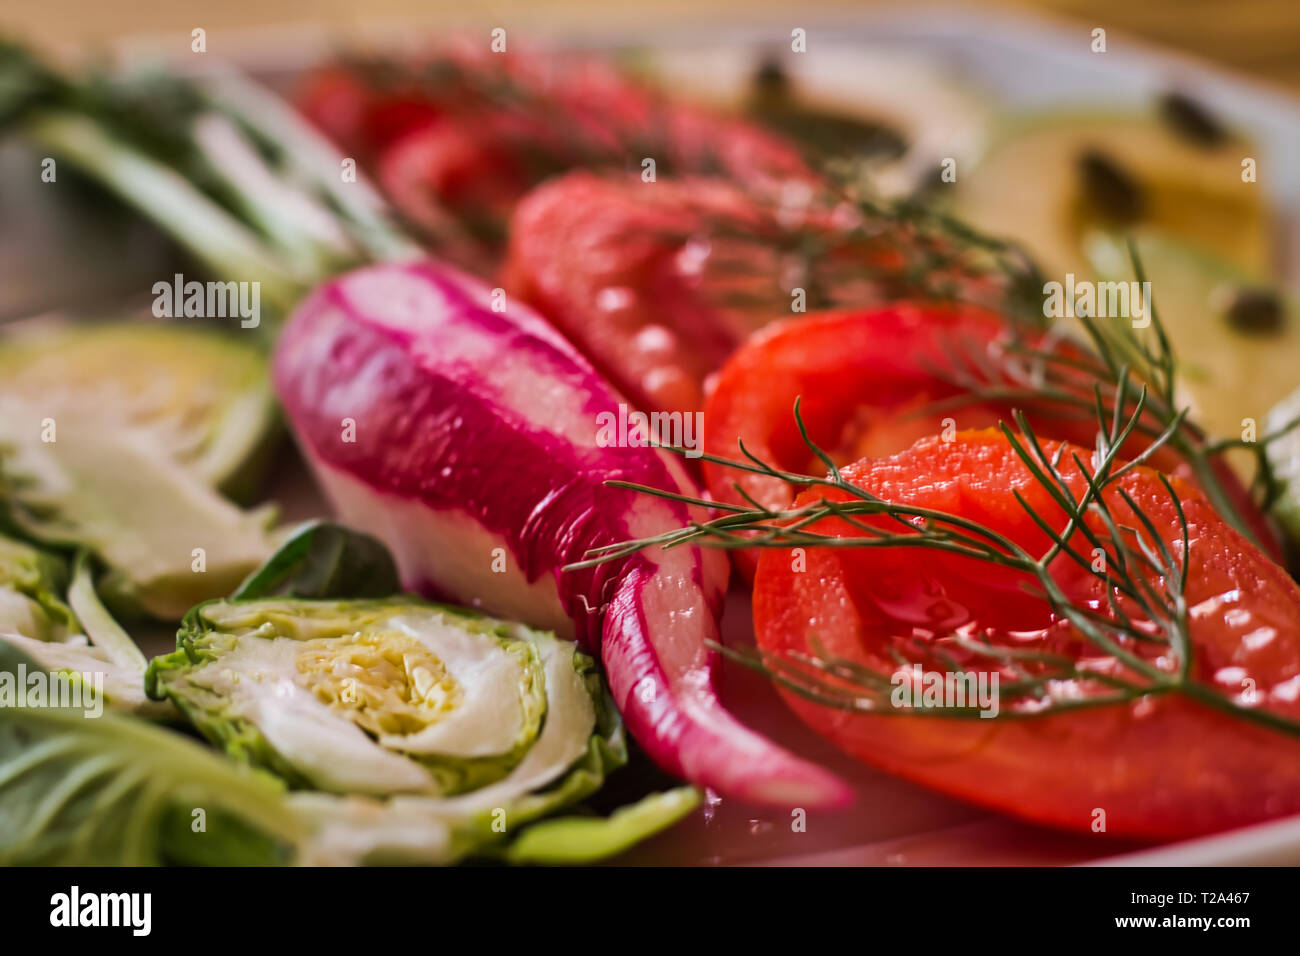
{"x":324,"y":560}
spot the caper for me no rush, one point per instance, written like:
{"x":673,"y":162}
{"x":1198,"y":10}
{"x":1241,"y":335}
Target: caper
{"x":1115,"y":194}
{"x":1191,"y":120}
{"x":1255,"y":311}
{"x":771,"y":83}
{"x":823,"y":133}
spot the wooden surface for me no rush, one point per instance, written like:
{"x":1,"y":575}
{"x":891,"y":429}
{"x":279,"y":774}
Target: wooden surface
{"x":1260,"y":38}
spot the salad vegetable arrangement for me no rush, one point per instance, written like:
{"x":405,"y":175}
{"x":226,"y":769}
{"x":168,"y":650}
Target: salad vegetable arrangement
{"x":915,"y":471}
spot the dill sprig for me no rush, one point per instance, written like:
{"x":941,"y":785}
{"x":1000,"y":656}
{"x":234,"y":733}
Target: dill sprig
{"x":1047,"y":376}
{"x":845,"y":251}
{"x":1143,"y":577}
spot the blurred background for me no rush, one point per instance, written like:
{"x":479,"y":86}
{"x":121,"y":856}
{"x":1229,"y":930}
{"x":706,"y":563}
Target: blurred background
{"x":1260,"y":38}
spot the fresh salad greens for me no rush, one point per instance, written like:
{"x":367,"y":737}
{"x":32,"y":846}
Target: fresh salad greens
{"x":378,"y":696}
{"x":374,"y":729}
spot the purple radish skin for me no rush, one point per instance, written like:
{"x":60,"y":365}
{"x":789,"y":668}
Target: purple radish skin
{"x":465,"y":438}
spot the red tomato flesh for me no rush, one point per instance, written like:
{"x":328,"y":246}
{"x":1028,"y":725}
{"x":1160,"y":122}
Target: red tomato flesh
{"x":864,"y":379}
{"x":1160,"y":767}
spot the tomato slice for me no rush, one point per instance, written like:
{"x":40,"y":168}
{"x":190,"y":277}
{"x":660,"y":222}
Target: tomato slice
{"x":866,"y":381}
{"x":334,"y":100}
{"x":462,"y":134}
{"x":615,"y":265}
{"x":1161,"y":766}
{"x":453,"y":183}
{"x":659,"y":282}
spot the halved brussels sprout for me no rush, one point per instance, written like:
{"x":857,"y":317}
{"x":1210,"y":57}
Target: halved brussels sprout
{"x":123,"y":684}
{"x":206,"y":398}
{"x":31,"y":582}
{"x":36,"y":621}
{"x":168,"y":539}
{"x":117,"y":790}
{"x":116,"y":438}
{"x":452,"y":733}
{"x":383,"y":697}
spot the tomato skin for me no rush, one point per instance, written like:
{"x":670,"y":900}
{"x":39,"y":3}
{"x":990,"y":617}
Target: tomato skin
{"x":604,"y":260}
{"x":681,"y":272}
{"x":863,"y":378}
{"x":335,"y":101}
{"x":464,"y":133}
{"x":1162,"y":767}
{"x":447,"y":168}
